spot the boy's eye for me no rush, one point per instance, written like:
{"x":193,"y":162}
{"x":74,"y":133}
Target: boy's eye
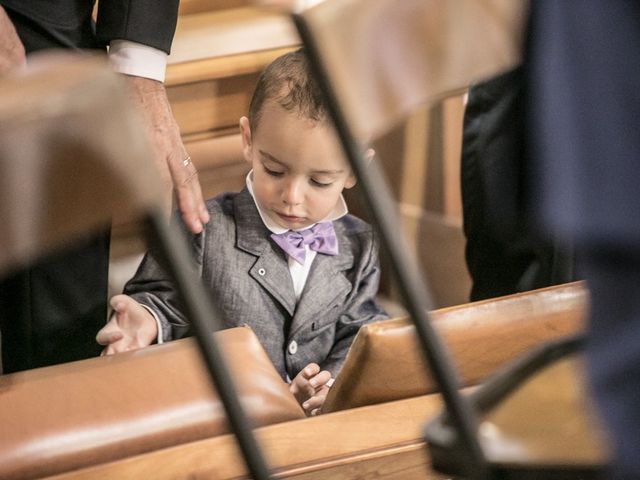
{"x":273,"y":173}
{"x":321,"y":184}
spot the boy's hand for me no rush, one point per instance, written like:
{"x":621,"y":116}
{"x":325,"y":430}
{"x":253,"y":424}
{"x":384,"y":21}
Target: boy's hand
{"x":310,"y":387}
{"x":131,"y":326}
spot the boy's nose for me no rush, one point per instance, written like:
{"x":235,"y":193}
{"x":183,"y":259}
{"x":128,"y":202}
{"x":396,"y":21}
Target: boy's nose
{"x":293,"y":193}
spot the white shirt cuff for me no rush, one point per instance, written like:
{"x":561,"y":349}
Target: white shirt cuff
{"x":159,"y":340}
{"x":138,"y":60}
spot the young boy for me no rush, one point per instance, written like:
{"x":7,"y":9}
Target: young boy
{"x":282,"y":256}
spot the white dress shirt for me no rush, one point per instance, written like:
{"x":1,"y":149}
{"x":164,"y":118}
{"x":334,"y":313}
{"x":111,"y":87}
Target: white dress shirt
{"x":138,"y":60}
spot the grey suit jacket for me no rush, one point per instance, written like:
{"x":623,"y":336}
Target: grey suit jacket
{"x":249,"y":278}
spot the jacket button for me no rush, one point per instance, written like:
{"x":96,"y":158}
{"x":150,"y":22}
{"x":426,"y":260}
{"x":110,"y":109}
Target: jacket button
{"x":293,"y":347}
{"x":261,"y":272}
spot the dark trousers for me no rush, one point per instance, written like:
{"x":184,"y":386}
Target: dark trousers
{"x":503,"y":255}
{"x":51,"y":312}
{"x":613,"y":354}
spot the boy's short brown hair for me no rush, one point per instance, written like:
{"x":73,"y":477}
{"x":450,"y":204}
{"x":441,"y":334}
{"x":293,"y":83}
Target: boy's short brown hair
{"x":288,"y":82}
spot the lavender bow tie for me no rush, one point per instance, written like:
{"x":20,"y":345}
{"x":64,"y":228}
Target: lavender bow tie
{"x":321,"y":238}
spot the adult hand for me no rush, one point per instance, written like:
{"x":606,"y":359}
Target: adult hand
{"x":171,"y":156}
{"x":11,"y":49}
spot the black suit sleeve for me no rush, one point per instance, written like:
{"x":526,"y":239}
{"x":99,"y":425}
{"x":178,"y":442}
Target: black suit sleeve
{"x":149,"y":22}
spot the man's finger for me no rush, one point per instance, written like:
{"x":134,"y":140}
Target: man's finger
{"x":189,"y":197}
{"x":191,"y":205}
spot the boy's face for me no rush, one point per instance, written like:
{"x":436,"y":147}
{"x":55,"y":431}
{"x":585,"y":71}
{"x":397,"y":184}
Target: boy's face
{"x":298,"y":166}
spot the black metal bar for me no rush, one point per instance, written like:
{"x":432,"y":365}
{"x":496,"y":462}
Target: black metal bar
{"x":205,"y":318}
{"x":411,"y":285}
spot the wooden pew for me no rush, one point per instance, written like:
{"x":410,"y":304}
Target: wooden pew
{"x":384,"y":362}
{"x":379,"y":441}
{"x":375,"y":441}
{"x":188,"y":7}
{"x":75,"y":415}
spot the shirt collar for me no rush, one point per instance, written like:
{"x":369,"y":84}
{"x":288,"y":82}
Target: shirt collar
{"x":339,"y":211}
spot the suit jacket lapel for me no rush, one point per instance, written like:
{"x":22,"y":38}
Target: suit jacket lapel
{"x":326,"y":282}
{"x":270,"y":270}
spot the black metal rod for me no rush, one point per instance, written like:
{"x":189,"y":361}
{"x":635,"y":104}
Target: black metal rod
{"x":205,"y":318}
{"x":412,"y":286}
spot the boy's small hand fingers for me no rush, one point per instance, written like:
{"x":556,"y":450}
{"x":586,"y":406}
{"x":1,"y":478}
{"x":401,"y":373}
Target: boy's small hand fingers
{"x":320,"y":379}
{"x":314,"y":402}
{"x":310,"y":370}
{"x":117,"y":302}
{"x":107,"y":336}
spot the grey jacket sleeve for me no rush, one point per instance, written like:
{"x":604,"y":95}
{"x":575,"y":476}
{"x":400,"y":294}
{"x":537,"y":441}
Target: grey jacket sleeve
{"x":361,"y":308}
{"x":152,"y":287}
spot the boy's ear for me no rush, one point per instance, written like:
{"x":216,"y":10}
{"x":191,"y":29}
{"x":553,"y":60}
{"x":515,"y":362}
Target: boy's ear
{"x":245,"y":133}
{"x":351,"y":181}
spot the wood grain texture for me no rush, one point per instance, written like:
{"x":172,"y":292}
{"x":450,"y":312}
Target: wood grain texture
{"x":189,"y":7}
{"x":381,"y":441}
{"x":230,"y":32}
{"x":548,"y":420}
{"x":222,"y":67}
{"x":384,"y":363}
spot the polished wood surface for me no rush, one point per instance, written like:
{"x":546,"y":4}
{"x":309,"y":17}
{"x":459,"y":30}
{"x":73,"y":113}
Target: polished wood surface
{"x":384,"y":440}
{"x":229,"y":32}
{"x":384,"y":362}
{"x":547,"y":421}
{"x":189,"y":7}
{"x":381,"y":441}
{"x":78,"y":414}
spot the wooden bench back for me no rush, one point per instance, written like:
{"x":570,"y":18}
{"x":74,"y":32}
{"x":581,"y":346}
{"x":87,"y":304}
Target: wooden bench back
{"x":69,"y":416}
{"x":384,"y":362}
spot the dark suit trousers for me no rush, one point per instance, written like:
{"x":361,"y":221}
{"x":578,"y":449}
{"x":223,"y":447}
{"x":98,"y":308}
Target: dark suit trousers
{"x":584,"y":83}
{"x":503,"y":255}
{"x":51,"y":312}
{"x":613,"y":354}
